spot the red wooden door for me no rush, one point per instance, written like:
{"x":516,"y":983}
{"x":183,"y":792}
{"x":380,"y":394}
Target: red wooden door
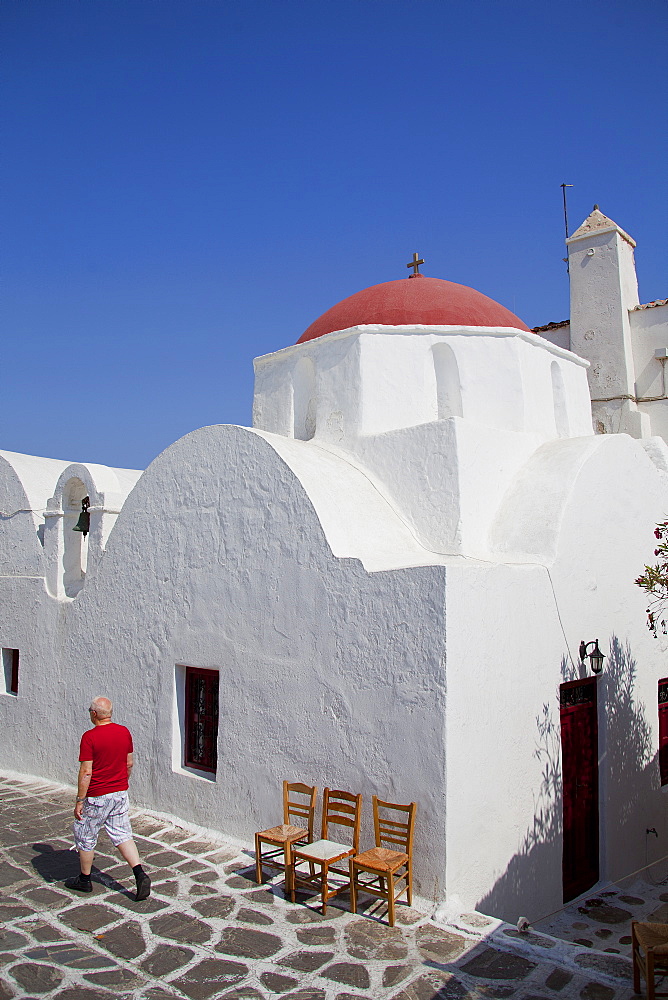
{"x":201,"y":711}
{"x":663,"y":729}
{"x":579,"y":755}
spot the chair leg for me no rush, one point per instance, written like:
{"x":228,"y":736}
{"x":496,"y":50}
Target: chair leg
{"x":258,"y":861}
{"x":390,"y":900}
{"x":634,"y":952}
{"x":649,"y":965}
{"x":409,"y":883}
{"x":293,"y":865}
{"x":324,"y":890}
{"x":287,"y":863}
{"x":353,"y":886}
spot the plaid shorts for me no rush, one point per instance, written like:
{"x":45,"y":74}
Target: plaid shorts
{"x":109,"y":811}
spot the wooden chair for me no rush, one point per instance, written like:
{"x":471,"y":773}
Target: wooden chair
{"x":338,"y":809}
{"x":652,"y":939}
{"x":281,"y":839}
{"x":387,"y":866}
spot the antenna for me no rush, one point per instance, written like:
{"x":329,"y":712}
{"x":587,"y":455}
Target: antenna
{"x":563,"y":191}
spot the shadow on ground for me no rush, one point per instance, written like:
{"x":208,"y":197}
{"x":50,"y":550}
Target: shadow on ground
{"x":57,"y":865}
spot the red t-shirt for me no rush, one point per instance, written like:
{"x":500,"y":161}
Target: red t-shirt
{"x":108,"y":747}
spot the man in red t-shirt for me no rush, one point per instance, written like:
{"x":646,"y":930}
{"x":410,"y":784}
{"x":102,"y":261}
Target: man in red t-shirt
{"x":102,"y":798}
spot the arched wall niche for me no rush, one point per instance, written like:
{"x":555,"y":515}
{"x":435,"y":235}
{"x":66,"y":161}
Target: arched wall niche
{"x":75,"y":545}
{"x":448,"y":384}
{"x":559,"y":401}
{"x":68,"y":556}
{"x":304,"y":400}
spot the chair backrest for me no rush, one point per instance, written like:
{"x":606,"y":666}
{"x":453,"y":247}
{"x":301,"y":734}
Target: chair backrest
{"x":300,"y":809}
{"x":342,"y":809}
{"x":395,"y":833}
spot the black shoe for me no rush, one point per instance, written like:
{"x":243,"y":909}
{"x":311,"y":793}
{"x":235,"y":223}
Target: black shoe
{"x":143,"y":887}
{"x":80,"y":884}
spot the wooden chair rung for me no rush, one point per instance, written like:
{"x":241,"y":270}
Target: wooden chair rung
{"x":335,"y":812}
{"x":394,"y":805}
{"x":300,"y":787}
{"x":385,"y":864}
{"x":291,"y":809}
{"x":649,"y":948}
{"x":339,"y":808}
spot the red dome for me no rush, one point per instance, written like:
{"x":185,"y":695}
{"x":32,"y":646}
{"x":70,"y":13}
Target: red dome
{"x":412,"y":301}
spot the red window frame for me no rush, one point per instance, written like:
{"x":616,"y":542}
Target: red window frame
{"x":663,"y":729}
{"x":200,"y":749}
{"x":14,"y":681}
{"x":10,"y":664}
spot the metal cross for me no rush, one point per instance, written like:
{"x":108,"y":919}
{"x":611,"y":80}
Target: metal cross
{"x":415,"y":264}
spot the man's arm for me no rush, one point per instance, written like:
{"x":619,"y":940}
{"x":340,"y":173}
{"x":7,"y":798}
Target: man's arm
{"x":130,"y":764}
{"x":85,"y":774}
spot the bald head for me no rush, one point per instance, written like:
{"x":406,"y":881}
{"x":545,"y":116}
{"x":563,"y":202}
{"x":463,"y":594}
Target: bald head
{"x":102,"y":707}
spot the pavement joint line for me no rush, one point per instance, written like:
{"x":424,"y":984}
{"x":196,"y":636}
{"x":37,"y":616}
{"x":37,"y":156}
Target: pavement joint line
{"x":240,"y":860}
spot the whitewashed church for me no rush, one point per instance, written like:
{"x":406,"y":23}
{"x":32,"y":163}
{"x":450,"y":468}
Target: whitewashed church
{"x":381,"y":587}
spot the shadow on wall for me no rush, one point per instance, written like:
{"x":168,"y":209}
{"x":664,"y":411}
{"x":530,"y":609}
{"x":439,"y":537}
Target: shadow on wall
{"x":629,"y":759}
{"x":509,"y":896}
{"x":630,"y":775}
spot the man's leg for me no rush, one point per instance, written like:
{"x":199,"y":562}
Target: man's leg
{"x":120,"y":833}
{"x":86,"y":830}
{"x":86,"y":861}
{"x":129,"y":852}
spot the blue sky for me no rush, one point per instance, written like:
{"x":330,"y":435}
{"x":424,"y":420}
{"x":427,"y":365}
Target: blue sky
{"x":190,"y":184}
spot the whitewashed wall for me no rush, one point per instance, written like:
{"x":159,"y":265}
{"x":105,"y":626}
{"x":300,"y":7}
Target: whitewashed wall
{"x":442,"y":418}
{"x":392,"y":574}
{"x":329,"y":674}
{"x":584,"y":511}
{"x":334,"y":673}
{"x":618,"y":337}
{"x":560,"y":337}
{"x":649,"y":333}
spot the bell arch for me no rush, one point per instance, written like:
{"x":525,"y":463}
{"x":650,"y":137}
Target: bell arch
{"x":75,"y":542}
{"x":68,"y":552}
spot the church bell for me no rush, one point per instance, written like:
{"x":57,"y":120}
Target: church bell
{"x":83,"y":524}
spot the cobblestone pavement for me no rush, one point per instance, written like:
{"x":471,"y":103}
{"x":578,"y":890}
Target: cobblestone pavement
{"x":602,"y":918}
{"x":208,"y":931}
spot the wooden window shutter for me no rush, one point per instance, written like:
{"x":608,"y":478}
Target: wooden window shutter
{"x":201,"y":712}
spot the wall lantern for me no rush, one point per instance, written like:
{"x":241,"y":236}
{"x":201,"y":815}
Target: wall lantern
{"x":83,"y":524}
{"x":596,"y":657}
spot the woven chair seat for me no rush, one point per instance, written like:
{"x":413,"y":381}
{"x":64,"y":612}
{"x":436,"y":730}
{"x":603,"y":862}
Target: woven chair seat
{"x":274,"y":846}
{"x":654,"y":936}
{"x":283,"y":834}
{"x":378,"y":871}
{"x":381,"y":859}
{"x":324,"y":850}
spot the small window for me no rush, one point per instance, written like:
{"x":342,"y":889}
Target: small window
{"x":663,"y":730}
{"x":10,"y":664}
{"x":448,"y":383}
{"x":201,"y":718}
{"x":304,"y":399}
